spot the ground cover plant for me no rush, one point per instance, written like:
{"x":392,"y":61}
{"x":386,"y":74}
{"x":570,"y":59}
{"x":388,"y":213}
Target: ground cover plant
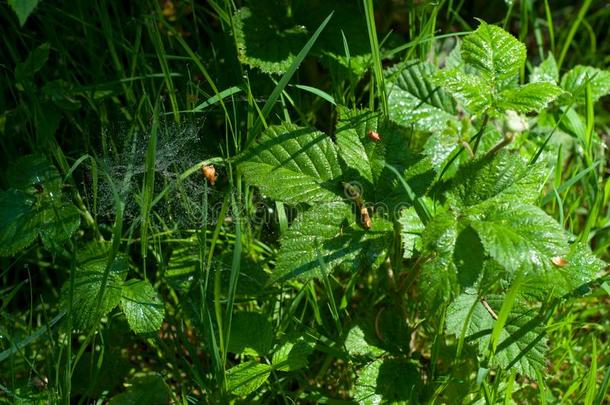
{"x":304,"y":202}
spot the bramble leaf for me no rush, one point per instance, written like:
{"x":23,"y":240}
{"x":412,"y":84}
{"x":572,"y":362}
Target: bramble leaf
{"x":474,"y":93}
{"x":529,"y":97}
{"x":415,"y":101}
{"x":546,"y":72}
{"x":504,"y":176}
{"x":251,"y":334}
{"x":245,"y":378}
{"x":519,"y":236}
{"x":142,"y":306}
{"x":521,"y":344}
{"x":328,"y":234}
{"x":495,"y":54}
{"x":292,"y":355}
{"x":387,"y":381}
{"x":357,"y":346}
{"x":575,"y":80}
{"x":293,"y":165}
{"x":87,"y":309}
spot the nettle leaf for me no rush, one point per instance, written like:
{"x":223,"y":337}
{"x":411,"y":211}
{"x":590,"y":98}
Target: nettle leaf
{"x":504,"y":176}
{"x":530,"y":97}
{"x":245,"y":378}
{"x":87,"y":309}
{"x":34,"y":206}
{"x":415,"y":101}
{"x":495,"y":54}
{"x":411,"y":228}
{"x":359,"y":152}
{"x":251,"y":334}
{"x":387,"y":381}
{"x":547,"y":71}
{"x":329,"y":234}
{"x":293,"y":165}
{"x":575,"y":81}
{"x":142,"y":307}
{"x":519,"y":236}
{"x":292,"y":355}
{"x":521,"y":346}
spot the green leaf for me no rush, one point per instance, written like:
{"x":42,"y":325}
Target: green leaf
{"x":23,"y":8}
{"x":86,"y":310}
{"x":495,"y":54}
{"x":581,"y":267}
{"x":357,"y":345}
{"x":150,"y":390}
{"x":34,"y":173}
{"x":527,"y":98}
{"x":415,"y":101}
{"x":547,"y":71}
{"x":360,"y":153}
{"x":293,"y":165}
{"x":266,"y":39}
{"x":468,"y":257}
{"x":251,"y":334}
{"x":504,"y":176}
{"x":142,"y":307}
{"x":57,"y":223}
{"x":329,"y":233}
{"x":387,"y":381}
{"x":292,"y":355}
{"x":411,"y":228}
{"x":519,"y":236}
{"x":18,"y":227}
{"x":473,"y":92}
{"x":521,"y":343}
{"x":247,"y":377}
{"x":574,"y":81}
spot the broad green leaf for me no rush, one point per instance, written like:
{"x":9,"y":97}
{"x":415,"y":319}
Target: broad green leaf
{"x":387,"y":381}
{"x":411,"y":228}
{"x":357,"y":345}
{"x":87,"y":310}
{"x":441,"y":144}
{"x":142,"y":306}
{"x":23,"y":218}
{"x":546,"y":72}
{"x":521,"y":343}
{"x":23,"y":8}
{"x":251,"y":334}
{"x":360,"y":153}
{"x":35,"y":174}
{"x":468,"y":257}
{"x":150,"y":390}
{"x":519,"y":236}
{"x":504,"y":176}
{"x":18,"y":227}
{"x":415,"y":101}
{"x":473,"y":92}
{"x":575,"y":80}
{"x":247,"y":377}
{"x":269,"y":36}
{"x":329,"y":233}
{"x":266,"y":37}
{"x":292,"y":355}
{"x":527,"y":98}
{"x":495,"y":54}
{"x":293,"y":165}
{"x":570,"y":275}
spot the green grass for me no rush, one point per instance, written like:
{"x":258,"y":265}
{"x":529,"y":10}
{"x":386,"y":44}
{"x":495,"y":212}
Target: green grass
{"x":134,"y":98}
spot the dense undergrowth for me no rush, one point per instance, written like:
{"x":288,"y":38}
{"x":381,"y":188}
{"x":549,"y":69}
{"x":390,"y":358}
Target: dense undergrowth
{"x":304,"y":202}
